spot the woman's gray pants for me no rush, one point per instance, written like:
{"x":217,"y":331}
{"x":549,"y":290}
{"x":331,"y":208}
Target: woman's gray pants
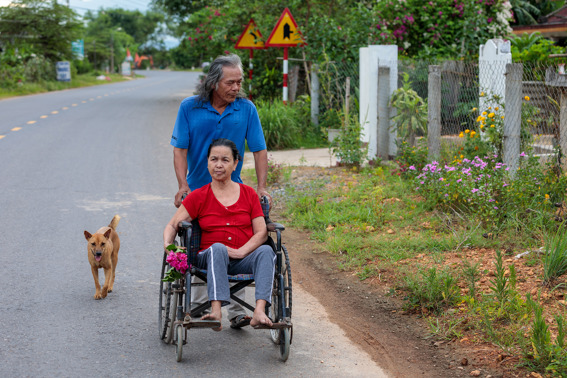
{"x":219,"y":266}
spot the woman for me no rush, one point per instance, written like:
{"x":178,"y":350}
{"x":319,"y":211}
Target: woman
{"x":233,"y":233}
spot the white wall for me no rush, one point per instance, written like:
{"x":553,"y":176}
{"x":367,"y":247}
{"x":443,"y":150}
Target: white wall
{"x":370,"y":58}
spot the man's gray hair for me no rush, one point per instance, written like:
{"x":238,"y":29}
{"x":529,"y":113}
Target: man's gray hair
{"x":215,"y":75}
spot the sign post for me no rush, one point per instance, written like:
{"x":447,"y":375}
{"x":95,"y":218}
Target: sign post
{"x":285,"y":34}
{"x":250,"y":39}
{"x":63,"y":71}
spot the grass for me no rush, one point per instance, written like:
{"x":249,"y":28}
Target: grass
{"x":446,"y":264}
{"x":48,"y":86}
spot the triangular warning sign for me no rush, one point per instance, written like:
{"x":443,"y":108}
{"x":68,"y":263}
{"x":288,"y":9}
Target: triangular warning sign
{"x":251,"y":38}
{"x":286,"y":33}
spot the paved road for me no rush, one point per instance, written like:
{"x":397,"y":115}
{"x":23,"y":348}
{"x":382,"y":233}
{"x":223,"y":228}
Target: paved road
{"x":70,"y":160}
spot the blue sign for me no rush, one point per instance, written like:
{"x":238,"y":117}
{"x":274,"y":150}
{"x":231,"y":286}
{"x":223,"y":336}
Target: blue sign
{"x":78,"y":48}
{"x":63,"y":71}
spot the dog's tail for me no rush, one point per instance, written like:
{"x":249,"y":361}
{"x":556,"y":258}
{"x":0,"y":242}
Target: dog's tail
{"x":114,"y":222}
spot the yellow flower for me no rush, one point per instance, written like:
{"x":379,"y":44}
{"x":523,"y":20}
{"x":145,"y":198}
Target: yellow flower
{"x":491,"y":115}
{"x":490,"y":107}
{"x":481,"y":94}
{"x":527,"y":98}
{"x":461,"y":156}
{"x":547,"y":197}
{"x":473,"y":110}
{"x":481,"y":127}
{"x":467,"y":131}
{"x":496,"y":108}
{"x":502,"y":117}
{"x":484,"y":113}
{"x":473,"y":133}
{"x":461,"y":135}
{"x":491,"y":125}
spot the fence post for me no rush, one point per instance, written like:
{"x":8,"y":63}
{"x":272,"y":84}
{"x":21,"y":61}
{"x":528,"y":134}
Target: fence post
{"x":383,"y":134}
{"x":434,"y":113}
{"x":512,"y":116}
{"x":563,"y":129}
{"x":315,"y":94}
{"x":347,"y":101}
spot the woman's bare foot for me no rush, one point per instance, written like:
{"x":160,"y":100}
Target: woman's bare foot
{"x":215,"y":314}
{"x":260,"y":318}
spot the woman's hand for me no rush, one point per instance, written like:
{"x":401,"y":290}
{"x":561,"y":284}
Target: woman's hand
{"x":235,"y":253}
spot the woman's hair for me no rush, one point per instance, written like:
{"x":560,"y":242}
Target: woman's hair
{"x":225,"y":143}
{"x":215,"y":75}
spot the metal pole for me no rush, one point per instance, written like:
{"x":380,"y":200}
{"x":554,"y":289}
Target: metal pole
{"x":285,"y":75}
{"x":250,"y":69}
{"x":434,"y":113}
{"x":512,"y":116}
{"x":314,"y":95}
{"x":383,"y":134}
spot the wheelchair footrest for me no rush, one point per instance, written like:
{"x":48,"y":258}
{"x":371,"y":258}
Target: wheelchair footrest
{"x":286,"y":323}
{"x":190,"y":322}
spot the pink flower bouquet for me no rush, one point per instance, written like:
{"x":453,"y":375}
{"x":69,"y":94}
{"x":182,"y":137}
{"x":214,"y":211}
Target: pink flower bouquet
{"x":177,"y":259}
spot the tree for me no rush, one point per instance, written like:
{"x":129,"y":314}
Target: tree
{"x":110,"y":32}
{"x":45,"y":28}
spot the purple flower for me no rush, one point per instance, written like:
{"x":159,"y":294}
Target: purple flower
{"x":446,"y":195}
{"x":440,"y":13}
{"x":411,"y":167}
{"x":459,"y":180}
{"x":522,"y":154}
{"x":495,"y":207}
{"x":475,"y":190}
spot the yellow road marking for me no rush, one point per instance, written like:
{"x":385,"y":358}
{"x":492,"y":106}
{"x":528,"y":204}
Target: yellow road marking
{"x":43,"y":116}
{"x":105,"y":95}
{"x":98,"y":96}
{"x":31,"y":122}
{"x":91,"y":99}
{"x":2,"y":136}
{"x":74,"y":105}
{"x":16,"y":128}
{"x":54,"y":112}
{"x":84,"y":102}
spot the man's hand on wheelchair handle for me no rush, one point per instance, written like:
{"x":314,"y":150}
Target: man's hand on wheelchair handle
{"x":180,"y":195}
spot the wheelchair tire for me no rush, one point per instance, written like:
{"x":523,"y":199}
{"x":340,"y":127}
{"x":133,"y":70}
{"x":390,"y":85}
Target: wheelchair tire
{"x":281,"y":299}
{"x":165,"y":315}
{"x":285,"y":343}
{"x":179,"y":343}
{"x":172,"y":311}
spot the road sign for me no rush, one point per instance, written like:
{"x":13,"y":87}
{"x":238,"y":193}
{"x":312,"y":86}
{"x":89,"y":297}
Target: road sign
{"x":78,"y":48}
{"x":63,"y":71}
{"x":286,"y":33}
{"x":251,"y":38}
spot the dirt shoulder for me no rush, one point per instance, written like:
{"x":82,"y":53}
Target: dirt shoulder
{"x":399,"y":342}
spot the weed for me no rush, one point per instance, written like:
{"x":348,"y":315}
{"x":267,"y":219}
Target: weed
{"x":555,"y":256}
{"x":431,"y":290}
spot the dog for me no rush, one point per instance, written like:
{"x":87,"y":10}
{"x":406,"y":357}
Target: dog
{"x":102,"y":249}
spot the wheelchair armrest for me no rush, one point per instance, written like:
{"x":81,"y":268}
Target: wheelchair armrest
{"x":272,"y":226}
{"x":185,"y":224}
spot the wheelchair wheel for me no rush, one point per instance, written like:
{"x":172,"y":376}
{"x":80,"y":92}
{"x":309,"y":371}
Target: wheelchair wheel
{"x":281,"y":302}
{"x":165,"y":315}
{"x":172,"y":311}
{"x":285,"y":343}
{"x":179,"y":344}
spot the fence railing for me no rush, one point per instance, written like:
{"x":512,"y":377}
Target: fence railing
{"x":526,"y":100}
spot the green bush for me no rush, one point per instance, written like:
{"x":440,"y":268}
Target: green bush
{"x":281,"y":124}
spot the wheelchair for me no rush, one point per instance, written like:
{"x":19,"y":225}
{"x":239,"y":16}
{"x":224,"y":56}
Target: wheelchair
{"x":176,"y":315}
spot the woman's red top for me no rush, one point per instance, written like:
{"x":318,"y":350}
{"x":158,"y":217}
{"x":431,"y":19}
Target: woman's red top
{"x":232,"y":225}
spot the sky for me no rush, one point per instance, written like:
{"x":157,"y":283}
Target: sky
{"x":82,"y":6}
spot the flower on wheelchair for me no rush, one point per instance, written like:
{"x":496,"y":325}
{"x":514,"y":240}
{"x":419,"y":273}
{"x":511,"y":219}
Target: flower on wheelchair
{"x":177,"y":259}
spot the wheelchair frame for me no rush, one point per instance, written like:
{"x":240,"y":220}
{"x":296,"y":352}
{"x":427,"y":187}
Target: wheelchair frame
{"x":176,"y":316}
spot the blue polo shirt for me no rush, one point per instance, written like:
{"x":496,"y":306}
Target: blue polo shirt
{"x":198,"y":124}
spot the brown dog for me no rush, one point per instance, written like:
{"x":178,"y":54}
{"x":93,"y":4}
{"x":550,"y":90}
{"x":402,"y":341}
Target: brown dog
{"x":103,"y":249}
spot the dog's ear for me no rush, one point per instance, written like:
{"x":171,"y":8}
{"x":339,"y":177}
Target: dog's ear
{"x":88,"y":235}
{"x":107,"y":233}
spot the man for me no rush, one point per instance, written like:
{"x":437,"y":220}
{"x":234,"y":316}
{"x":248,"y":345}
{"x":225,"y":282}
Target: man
{"x":219,"y":110}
